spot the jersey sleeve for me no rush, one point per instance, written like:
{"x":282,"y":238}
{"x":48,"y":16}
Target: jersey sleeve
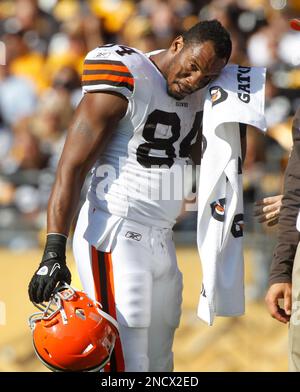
{"x":104,"y":70}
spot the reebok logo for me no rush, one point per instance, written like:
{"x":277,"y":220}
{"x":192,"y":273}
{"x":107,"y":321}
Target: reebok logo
{"x":133,"y":236}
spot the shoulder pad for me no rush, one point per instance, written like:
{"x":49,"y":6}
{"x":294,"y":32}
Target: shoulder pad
{"x":105,"y":68}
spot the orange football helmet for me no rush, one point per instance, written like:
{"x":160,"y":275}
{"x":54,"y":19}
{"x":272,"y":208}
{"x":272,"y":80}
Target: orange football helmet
{"x":72,"y":333}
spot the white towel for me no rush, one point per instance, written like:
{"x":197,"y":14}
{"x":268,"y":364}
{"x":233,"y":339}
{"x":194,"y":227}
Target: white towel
{"x":237,"y":96}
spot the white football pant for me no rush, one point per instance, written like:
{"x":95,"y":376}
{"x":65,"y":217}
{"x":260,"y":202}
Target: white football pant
{"x":138,"y":282}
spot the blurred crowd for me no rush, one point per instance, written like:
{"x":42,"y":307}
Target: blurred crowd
{"x":42,"y":47}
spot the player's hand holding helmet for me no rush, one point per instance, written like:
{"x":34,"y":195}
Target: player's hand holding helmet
{"x":52,"y":269}
{"x":72,"y":333}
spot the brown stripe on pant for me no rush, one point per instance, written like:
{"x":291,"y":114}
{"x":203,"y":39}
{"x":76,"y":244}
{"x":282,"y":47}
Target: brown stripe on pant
{"x":105,"y":294}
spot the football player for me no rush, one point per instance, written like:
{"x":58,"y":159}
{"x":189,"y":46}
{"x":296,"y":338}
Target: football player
{"x":136,"y":127}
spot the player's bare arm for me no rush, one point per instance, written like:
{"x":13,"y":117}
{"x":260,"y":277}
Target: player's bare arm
{"x":94,"y":121}
{"x":92,"y":126}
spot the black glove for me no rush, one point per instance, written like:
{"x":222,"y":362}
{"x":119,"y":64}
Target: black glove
{"x":53,"y":269}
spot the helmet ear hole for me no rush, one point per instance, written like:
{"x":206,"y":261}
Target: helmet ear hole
{"x":80,"y":313}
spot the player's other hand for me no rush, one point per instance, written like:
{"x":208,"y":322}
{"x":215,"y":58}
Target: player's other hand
{"x":274,"y":294}
{"x":52,"y":270}
{"x":267,"y":209}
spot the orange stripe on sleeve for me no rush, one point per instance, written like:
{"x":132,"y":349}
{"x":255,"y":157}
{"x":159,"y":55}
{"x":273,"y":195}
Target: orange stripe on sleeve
{"x":108,"y":67}
{"x":114,"y":78}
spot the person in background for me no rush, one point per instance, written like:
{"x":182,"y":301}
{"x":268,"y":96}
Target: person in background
{"x":285,"y":268}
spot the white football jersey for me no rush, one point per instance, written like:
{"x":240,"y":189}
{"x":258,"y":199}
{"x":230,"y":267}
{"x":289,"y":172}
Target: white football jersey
{"x":140,"y":174}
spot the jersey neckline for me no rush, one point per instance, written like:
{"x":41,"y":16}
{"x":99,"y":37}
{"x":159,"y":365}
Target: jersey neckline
{"x":149,"y":54}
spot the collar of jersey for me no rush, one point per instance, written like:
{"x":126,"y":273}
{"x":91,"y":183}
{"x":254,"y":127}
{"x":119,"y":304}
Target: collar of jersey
{"x":149,"y":54}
